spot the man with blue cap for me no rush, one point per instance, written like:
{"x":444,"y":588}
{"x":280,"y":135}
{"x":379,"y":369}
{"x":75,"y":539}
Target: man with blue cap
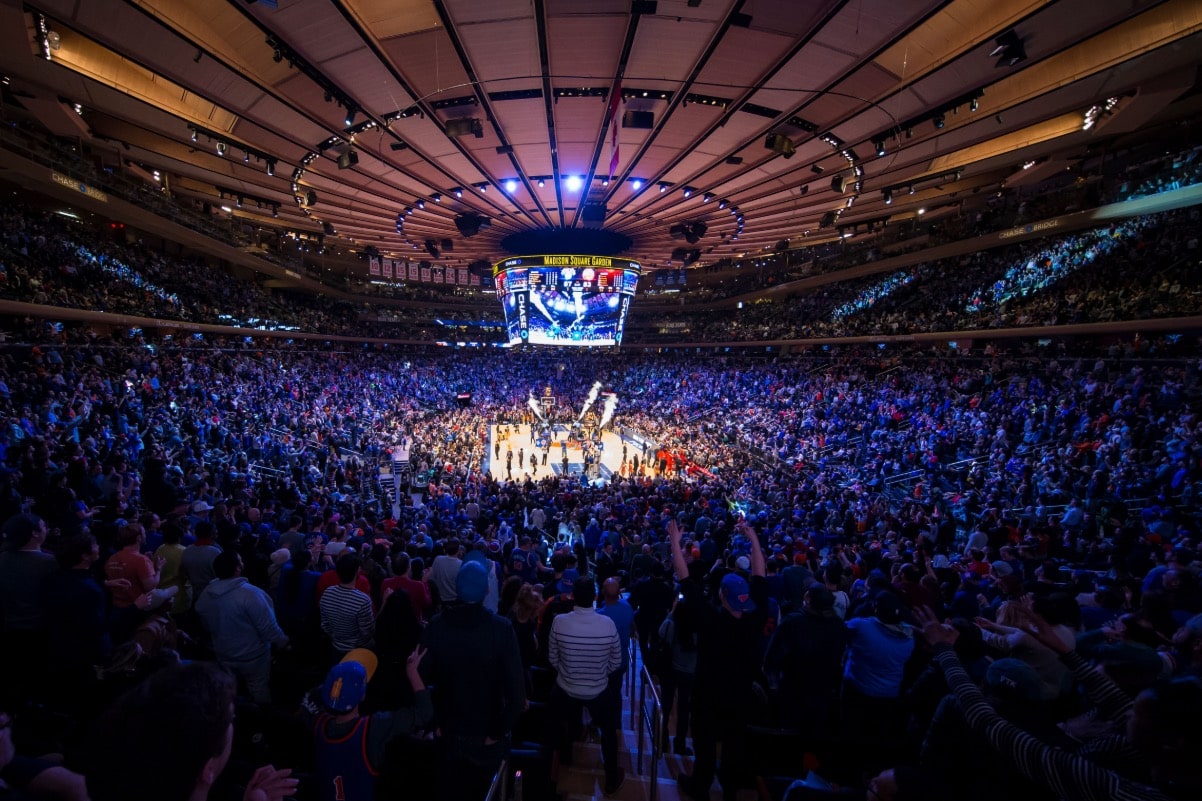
{"x":475,"y":666}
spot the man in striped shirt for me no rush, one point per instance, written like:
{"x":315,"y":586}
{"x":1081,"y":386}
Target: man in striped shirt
{"x":585,"y":649}
{"x":346,"y":615}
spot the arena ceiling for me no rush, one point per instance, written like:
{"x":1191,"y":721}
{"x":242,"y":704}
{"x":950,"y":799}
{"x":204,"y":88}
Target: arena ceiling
{"x":730,"y":125}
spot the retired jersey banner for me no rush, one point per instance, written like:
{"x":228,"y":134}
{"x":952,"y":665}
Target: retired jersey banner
{"x":373,"y":265}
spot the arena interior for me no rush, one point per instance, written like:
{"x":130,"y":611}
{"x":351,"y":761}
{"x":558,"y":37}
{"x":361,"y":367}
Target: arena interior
{"x":635,"y":399}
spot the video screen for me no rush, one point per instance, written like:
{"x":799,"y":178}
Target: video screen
{"x":566,"y":300}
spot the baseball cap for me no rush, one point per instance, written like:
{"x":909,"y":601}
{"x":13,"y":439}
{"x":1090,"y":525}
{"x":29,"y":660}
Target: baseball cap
{"x":346,"y":683}
{"x":743,"y":563}
{"x":569,"y":580}
{"x":1002,"y":569}
{"x":1014,"y":677}
{"x":471,"y":583}
{"x":738,"y":593}
{"x":201,"y":506}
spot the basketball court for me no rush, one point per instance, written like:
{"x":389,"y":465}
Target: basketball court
{"x":610,"y":463}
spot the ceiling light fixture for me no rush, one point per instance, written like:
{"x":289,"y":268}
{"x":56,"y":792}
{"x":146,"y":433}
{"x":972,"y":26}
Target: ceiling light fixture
{"x":457,"y":191}
{"x":573,"y":183}
{"x":350,"y":116}
{"x":511,"y":186}
{"x":688,"y":191}
{"x":723,"y":203}
{"x":221,"y":148}
{"x":636,"y":183}
{"x":707,"y":197}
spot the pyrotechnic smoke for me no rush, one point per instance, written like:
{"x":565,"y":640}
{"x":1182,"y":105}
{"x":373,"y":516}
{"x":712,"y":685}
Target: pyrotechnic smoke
{"x":536,"y":407}
{"x":607,"y":413}
{"x":590,"y":400}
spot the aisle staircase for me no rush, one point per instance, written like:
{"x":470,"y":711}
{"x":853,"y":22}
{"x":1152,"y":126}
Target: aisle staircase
{"x":650,"y":774}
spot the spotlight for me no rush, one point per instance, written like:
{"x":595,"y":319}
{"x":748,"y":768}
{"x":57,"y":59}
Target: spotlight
{"x":421,"y":204}
{"x":246,"y":158}
{"x":270,"y":168}
{"x":511,"y":186}
{"x":888,"y":196}
{"x":194,"y":135}
{"x":351,"y":111}
{"x":275,"y":211}
{"x":541,"y":183}
{"x":437,"y":198}
{"x":723,"y":203}
{"x":973,"y":104}
{"x":707,"y":197}
{"x":408,"y":210}
{"x":457,"y":191}
{"x":239,"y":201}
{"x":483,"y":187}
{"x":880,"y":147}
{"x":688,"y":191}
{"x":573,"y":183}
{"x":663,"y":187}
{"x":911,"y":189}
{"x":939,"y":120}
{"x":605,"y":182}
{"x":221,"y":148}
{"x":636,"y":183}
{"x":277,"y":55}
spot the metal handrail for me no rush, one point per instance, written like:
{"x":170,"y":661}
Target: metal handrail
{"x":630,"y":655}
{"x":655,"y":720}
{"x":496,"y":790}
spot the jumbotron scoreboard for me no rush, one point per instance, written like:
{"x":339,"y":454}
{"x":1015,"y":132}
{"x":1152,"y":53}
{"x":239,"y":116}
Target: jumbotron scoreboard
{"x":566,"y":300}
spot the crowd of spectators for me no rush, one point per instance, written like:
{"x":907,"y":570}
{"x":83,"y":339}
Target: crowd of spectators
{"x":1137,"y":269}
{"x":881,"y":562}
{"x":54,"y":260}
{"x":219,"y":502}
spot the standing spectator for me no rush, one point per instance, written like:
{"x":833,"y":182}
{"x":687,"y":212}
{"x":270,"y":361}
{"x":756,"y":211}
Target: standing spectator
{"x":729,"y":632}
{"x":445,"y":569}
{"x":197,"y":560}
{"x":418,"y":590}
{"x":806,"y":659}
{"x":346,"y":615}
{"x":617,"y":609}
{"x":172,"y":574}
{"x":585,"y":649}
{"x":241,"y":621}
{"x":475,"y":710}
{"x":130,"y":574}
{"x":679,"y":633}
{"x":878,"y":649}
{"x":651,"y":597}
{"x":76,"y":621}
{"x":23,"y":567}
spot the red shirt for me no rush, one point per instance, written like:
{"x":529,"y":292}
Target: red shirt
{"x":418,"y":591}
{"x":134,"y":567}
